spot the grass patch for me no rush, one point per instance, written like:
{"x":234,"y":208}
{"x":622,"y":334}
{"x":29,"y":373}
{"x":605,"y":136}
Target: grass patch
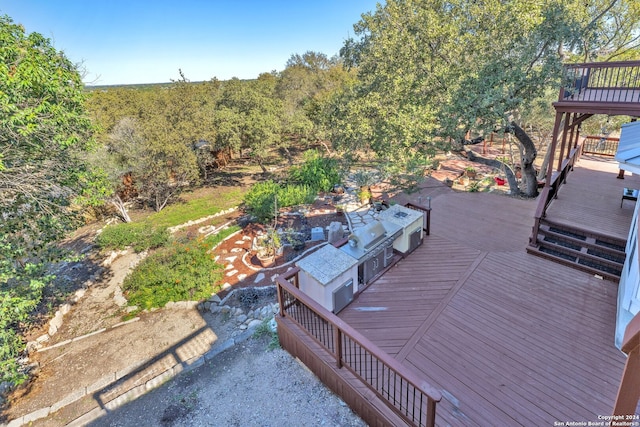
{"x":177,"y":272}
{"x":151,"y":232}
{"x":140,"y":235}
{"x":264,"y":330}
{"x":196,"y":208}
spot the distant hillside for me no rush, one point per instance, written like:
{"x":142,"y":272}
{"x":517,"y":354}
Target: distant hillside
{"x":140,"y":86}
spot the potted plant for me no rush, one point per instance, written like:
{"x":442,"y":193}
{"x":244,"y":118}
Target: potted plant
{"x":339,"y":209}
{"x":268,"y":246}
{"x":470,"y":172}
{"x":364,"y":195}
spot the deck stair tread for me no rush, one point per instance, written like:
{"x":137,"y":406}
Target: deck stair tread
{"x":585,"y":250}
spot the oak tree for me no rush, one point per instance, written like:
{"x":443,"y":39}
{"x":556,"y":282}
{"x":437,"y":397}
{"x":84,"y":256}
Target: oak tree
{"x":43,"y":132}
{"x":430,"y":71}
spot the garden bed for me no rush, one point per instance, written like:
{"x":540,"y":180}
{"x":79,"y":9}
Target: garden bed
{"x":300,"y":219}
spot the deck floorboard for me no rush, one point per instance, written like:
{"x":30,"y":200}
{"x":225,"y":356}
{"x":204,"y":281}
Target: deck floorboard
{"x":509,"y":338}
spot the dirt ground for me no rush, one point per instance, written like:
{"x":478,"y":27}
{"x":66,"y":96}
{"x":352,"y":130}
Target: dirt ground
{"x":248,"y":385}
{"x":107,"y":345}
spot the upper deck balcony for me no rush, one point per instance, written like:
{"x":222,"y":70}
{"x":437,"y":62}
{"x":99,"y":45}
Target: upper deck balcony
{"x":601,"y":88}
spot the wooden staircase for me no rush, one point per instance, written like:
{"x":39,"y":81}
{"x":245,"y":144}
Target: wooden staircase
{"x":582,"y":249}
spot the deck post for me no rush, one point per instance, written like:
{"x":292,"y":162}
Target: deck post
{"x":431,"y":412}
{"x":337,"y":345}
{"x":552,"y":149}
{"x":629,"y":390}
{"x":280,"y":299}
{"x":561,"y":156}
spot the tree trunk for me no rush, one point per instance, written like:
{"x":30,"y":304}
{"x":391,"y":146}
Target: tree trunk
{"x":511,"y":177}
{"x":547,"y":156}
{"x":264,"y":169}
{"x":117,"y":202}
{"x":288,"y":155}
{"x":528,"y":157}
{"x":326,"y":147}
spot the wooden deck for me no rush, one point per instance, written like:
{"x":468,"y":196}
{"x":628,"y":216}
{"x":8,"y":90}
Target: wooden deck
{"x":509,"y":338}
{"x":591,"y":198}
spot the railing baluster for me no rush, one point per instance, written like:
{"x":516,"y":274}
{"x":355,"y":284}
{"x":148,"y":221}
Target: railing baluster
{"x":616,"y":82}
{"x":379,"y":371}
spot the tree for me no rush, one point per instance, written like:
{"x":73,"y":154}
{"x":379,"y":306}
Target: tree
{"x":254,"y":116}
{"x":43,"y":131}
{"x":305,"y":86}
{"x":116,"y":160}
{"x":429,"y":71}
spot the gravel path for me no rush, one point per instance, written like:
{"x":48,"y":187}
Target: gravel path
{"x":247,"y":385}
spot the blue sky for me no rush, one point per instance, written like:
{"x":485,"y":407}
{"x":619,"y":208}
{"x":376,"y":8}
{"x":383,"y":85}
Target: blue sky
{"x":134,"y":41}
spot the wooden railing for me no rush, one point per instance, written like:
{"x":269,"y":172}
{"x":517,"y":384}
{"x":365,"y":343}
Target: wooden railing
{"x":426,"y":214}
{"x":600,"y":145}
{"x":550,"y":192}
{"x":407,"y":395}
{"x":602,"y":82}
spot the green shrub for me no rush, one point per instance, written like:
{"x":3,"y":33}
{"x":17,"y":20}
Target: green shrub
{"x":19,"y":296}
{"x":292,"y":195}
{"x":179,"y":272}
{"x":259,"y":200}
{"x":264,"y":329}
{"x":140,"y":235}
{"x":317,"y":172}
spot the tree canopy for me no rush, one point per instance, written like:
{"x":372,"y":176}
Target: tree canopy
{"x":43,"y":130}
{"x":429,"y":71}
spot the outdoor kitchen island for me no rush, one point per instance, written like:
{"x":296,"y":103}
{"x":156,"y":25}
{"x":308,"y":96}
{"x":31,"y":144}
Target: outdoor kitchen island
{"x":331,"y":276}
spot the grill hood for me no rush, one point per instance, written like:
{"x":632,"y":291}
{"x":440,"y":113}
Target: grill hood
{"x":368,"y":236}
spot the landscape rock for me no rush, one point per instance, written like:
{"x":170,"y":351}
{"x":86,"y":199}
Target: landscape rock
{"x":52,"y":330}
{"x":79,"y":294}
{"x":254,"y":323}
{"x":65,"y":308}
{"x":57,"y":320}
{"x":241,"y":318}
{"x":118,"y":298}
{"x":335,"y":232}
{"x":33,"y":346}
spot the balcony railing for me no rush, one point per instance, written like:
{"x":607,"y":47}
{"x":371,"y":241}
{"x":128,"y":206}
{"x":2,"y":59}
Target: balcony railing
{"x":600,"y":145}
{"x":407,"y":395}
{"x":602,"y":82}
